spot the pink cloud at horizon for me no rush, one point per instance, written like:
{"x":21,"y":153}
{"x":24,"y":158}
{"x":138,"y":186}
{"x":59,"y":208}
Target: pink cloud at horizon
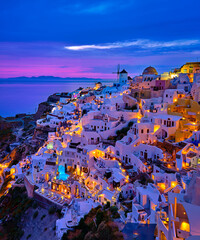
{"x":56,"y":67}
{"x":73,"y":72}
{"x":87,"y":66}
{"x":15,"y":72}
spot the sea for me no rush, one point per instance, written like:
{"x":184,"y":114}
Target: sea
{"x":22,"y":95}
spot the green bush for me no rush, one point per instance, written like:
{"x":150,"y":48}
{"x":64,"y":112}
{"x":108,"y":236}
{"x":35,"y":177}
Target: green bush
{"x":5,"y":132}
{"x":113,"y":138}
{"x":35,"y":205}
{"x":43,"y":216}
{"x":99,"y":217}
{"x":15,"y":208}
{"x":64,"y":237}
{"x":81,"y":224}
{"x":113,"y":209}
{"x":52,"y":210}
{"x":123,"y":132}
{"x":102,"y":228}
{"x":107,"y":205}
{"x":84,"y":112}
{"x":116,"y":215}
{"x":130,"y":124}
{"x":58,"y":212}
{"x":150,"y":181}
{"x":28,"y":236}
{"x":35,"y":214}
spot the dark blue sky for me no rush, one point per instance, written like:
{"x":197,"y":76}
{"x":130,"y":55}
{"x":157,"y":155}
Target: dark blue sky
{"x":34,"y":34}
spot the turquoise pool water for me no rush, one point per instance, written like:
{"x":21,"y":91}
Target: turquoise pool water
{"x":62,"y":175}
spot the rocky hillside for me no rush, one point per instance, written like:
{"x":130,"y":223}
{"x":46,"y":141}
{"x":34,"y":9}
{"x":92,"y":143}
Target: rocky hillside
{"x":54,"y":98}
{"x":43,"y":109}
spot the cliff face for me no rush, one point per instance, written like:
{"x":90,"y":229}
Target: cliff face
{"x":8,"y":125}
{"x":21,"y":152}
{"x":21,"y":128}
{"x":53,"y":98}
{"x":193,"y":190}
{"x":14,"y":156}
{"x":41,"y":133}
{"x":43,"y":109}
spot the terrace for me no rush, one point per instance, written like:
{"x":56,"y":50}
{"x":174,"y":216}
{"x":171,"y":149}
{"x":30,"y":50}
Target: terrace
{"x":53,"y":196}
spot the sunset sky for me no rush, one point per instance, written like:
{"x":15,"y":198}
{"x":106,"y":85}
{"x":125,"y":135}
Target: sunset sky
{"x":83,"y":38}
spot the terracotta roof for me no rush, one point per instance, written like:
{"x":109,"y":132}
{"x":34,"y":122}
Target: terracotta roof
{"x":150,"y":71}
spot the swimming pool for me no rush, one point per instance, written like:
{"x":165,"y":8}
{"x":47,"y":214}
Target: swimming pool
{"x":62,"y":175}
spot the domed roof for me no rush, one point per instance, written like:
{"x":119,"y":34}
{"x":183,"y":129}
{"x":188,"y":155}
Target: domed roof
{"x":150,"y":71}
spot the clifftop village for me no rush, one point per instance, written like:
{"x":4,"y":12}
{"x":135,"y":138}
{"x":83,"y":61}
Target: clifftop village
{"x":134,"y":145}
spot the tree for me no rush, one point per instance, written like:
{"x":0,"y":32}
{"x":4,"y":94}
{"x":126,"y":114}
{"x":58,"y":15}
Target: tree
{"x":52,"y":210}
{"x":107,"y":205}
{"x":113,"y":209}
{"x":35,"y":214}
{"x":64,"y":237}
{"x":130,"y":124}
{"x":84,"y":112}
{"x":120,"y":197}
{"x":99,"y":217}
{"x":90,"y":236}
{"x":103,"y":231}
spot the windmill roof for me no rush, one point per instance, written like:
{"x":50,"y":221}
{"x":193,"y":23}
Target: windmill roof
{"x":123,"y":71}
